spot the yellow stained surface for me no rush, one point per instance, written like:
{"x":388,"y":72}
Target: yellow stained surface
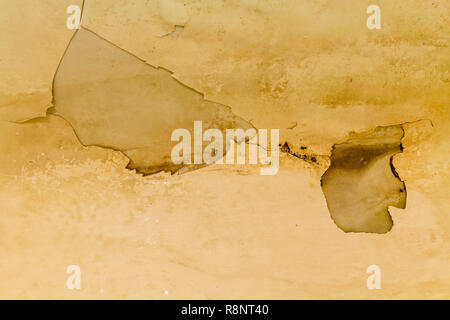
{"x":312,"y":70}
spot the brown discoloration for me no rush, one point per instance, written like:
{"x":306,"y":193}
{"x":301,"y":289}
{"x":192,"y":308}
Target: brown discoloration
{"x":361,"y":182}
{"x":357,"y":157}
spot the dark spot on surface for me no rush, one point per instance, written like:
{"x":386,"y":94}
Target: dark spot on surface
{"x":285,"y":148}
{"x":393,"y":169}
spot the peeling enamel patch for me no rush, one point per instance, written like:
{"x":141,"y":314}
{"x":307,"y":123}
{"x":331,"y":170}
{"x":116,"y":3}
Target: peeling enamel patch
{"x":361,"y":182}
{"x":113,"y":99}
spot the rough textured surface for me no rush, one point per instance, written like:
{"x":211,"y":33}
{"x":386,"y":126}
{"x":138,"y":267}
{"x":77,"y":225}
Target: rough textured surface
{"x":33,"y":39}
{"x":310,"y":68}
{"x":220,"y":232}
{"x":312,"y":62}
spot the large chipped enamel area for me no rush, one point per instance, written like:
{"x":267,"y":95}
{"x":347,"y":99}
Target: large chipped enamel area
{"x":361,"y":182}
{"x":113,"y":99}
